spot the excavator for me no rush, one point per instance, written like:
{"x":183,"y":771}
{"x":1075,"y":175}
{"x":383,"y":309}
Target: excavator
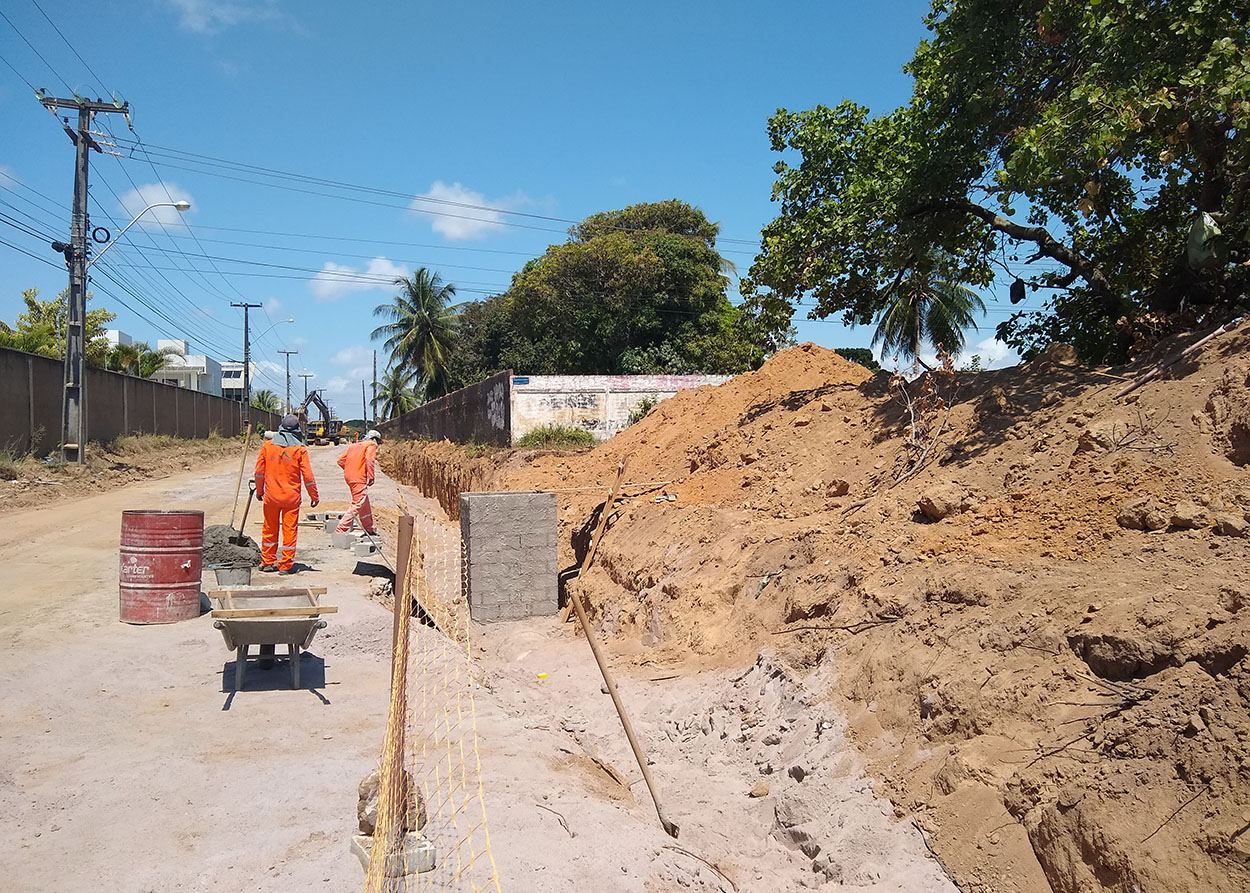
{"x":329,"y":429}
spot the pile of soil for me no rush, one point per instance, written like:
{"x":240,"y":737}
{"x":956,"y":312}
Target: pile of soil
{"x":220,"y":547}
{"x":109,"y":466}
{"x":1044,"y":630}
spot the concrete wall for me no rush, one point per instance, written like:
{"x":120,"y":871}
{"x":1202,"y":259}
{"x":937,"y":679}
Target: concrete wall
{"x":510,"y":554}
{"x":479,"y":413}
{"x":30,"y":406}
{"x":599,"y":403}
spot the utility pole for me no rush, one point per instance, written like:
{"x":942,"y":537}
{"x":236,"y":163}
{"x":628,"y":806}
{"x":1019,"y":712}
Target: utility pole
{"x":306,"y":376}
{"x":74,"y":399}
{"x":364,"y":406}
{"x":288,"y":376}
{"x":374,"y":405}
{"x":247,"y":363}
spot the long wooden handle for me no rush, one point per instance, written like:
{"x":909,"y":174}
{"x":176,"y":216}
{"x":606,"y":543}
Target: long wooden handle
{"x":603,"y":523}
{"x":247,"y":443}
{"x":669,"y":828}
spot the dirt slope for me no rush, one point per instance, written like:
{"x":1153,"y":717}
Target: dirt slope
{"x":1037,"y":681}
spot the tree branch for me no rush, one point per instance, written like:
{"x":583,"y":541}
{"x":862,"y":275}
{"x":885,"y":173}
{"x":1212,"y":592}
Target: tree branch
{"x":1047,"y":245}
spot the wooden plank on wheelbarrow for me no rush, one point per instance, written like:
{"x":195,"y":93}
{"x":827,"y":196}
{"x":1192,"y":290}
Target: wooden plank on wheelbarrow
{"x":297,"y":611}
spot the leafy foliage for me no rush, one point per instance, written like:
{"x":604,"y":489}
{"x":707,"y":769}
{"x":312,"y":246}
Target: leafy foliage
{"x":1087,"y":136}
{"x":924,"y":310}
{"x":643,"y":409}
{"x":396,"y":394}
{"x":640,"y":290}
{"x":421,"y":329}
{"x":861,"y":355}
{"x":266,"y":401}
{"x":556,"y":437}
{"x":138,"y":359}
{"x":41,"y":329}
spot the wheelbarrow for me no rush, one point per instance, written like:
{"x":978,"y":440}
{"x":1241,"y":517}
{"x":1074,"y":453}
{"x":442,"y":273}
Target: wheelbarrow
{"x":268,"y":617}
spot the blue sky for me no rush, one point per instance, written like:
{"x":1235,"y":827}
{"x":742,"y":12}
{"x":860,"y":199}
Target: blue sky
{"x":554,"y":110}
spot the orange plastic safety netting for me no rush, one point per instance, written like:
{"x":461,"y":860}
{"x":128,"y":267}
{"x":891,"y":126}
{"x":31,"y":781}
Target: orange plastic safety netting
{"x":431,"y":831}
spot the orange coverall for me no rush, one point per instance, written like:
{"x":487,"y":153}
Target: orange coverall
{"x":359,"y":462}
{"x":279,"y":471}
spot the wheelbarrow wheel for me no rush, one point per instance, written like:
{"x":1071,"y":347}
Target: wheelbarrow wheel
{"x":266,"y":657}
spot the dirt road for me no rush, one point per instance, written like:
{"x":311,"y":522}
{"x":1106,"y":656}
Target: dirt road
{"x":128,"y":763}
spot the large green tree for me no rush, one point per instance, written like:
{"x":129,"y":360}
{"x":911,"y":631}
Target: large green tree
{"x":1072,"y":145}
{"x":638,"y":290}
{"x":421,"y":328}
{"x":41,"y":329}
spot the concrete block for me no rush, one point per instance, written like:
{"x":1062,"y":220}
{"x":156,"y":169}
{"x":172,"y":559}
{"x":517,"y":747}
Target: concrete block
{"x":364,"y":548}
{"x":416,"y":855}
{"x":345,"y":540}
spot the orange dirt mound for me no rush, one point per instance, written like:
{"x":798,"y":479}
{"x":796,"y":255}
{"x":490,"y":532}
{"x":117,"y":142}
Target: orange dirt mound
{"x":1044,"y":676}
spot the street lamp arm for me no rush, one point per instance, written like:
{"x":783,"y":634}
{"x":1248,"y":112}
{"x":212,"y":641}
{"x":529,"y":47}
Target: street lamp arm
{"x":181,"y":206}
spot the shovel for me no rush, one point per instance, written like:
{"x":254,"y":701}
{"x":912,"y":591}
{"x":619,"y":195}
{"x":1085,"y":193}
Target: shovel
{"x":241,"y":539}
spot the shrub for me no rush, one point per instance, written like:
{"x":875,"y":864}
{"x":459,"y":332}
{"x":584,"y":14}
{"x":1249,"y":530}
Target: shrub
{"x":8,"y":466}
{"x":556,"y":437}
{"x":644,"y":407}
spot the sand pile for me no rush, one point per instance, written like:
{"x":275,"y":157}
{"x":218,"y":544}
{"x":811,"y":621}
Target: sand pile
{"x":1045,"y":630}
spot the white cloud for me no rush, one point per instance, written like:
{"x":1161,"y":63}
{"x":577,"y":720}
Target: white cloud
{"x":212,"y":16}
{"x":139,"y":198}
{"x":337,"y":280}
{"x":993,"y":353}
{"x":273,"y":305}
{"x":457,"y":222}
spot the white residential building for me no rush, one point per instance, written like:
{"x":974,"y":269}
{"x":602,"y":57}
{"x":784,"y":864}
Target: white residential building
{"x":232,"y":380}
{"x":116,"y":337}
{"x":195,"y":372}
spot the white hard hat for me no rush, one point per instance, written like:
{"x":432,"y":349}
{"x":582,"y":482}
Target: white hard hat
{"x":375,"y":434}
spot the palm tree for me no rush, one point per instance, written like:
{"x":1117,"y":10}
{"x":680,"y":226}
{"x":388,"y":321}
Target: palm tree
{"x":124,"y":358}
{"x":139,"y":359}
{"x":924,"y":310}
{"x":422,"y":326}
{"x":265,"y":401}
{"x":152,"y":361}
{"x":395,"y":392}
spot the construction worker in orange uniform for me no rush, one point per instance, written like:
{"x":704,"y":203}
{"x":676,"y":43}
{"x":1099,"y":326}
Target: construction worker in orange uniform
{"x":280,"y":468}
{"x":359,"y":464}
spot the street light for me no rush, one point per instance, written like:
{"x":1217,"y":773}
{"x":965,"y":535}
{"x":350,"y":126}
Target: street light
{"x":180,"y":206}
{"x":74,"y":397}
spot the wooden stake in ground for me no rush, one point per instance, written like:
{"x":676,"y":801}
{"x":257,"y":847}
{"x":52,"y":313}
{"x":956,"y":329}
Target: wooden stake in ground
{"x":603,"y":523}
{"x":247,"y":442}
{"x":392,"y":794}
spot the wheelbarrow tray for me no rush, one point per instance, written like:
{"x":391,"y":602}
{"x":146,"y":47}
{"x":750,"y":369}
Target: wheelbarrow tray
{"x":268,"y":617}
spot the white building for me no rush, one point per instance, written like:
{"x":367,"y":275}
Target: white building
{"x":232,"y":380}
{"x":195,"y":372}
{"x":116,"y":338}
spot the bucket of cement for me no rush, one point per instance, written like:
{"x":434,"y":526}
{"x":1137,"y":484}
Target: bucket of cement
{"x":233,"y":574}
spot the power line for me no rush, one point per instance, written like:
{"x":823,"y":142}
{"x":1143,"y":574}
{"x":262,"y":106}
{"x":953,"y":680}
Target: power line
{"x":37,"y":53}
{"x":99,"y":80}
{"x":243,"y":167}
{"x":42,"y":260}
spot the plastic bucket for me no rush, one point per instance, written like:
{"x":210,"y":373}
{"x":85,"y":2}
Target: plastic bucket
{"x":162,"y":558}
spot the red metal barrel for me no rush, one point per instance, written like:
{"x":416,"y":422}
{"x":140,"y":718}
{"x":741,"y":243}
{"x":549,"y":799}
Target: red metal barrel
{"x":162,"y":556}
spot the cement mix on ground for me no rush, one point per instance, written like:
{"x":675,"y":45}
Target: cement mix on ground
{"x":220,"y":548}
